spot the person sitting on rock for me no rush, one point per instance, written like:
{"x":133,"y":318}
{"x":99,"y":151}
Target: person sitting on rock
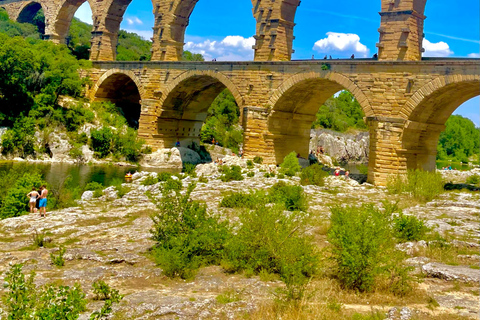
{"x":337,"y":172}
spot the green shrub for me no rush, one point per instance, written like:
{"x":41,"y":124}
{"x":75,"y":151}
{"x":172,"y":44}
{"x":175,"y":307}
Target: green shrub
{"x":25,"y":301}
{"x":102,"y":142}
{"x":250,"y":174}
{"x":202,"y":179}
{"x":363,"y":248}
{"x":258,"y":160}
{"x":57,"y":259}
{"x":187,"y":237}
{"x":243,"y":200}
{"x":128,"y":145}
{"x":189,"y":169}
{"x":102,"y":291}
{"x":292,"y":197}
{"x":290,"y":165}
{"x":231,"y":173}
{"x":39,"y":239}
{"x":249,"y":164}
{"x":270,"y":241}
{"x":172,"y":185}
{"x":76,"y":116}
{"x":164,"y":176}
{"x":96,"y":187}
{"x":150,"y":180}
{"x":15,"y":202}
{"x":420,"y":185}
{"x":280,"y":176}
{"x":409,"y":228}
{"x":475,"y":179}
{"x":314,"y":175}
{"x":269,"y":175}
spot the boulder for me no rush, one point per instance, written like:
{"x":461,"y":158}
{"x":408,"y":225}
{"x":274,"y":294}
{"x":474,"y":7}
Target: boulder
{"x":163,"y":158}
{"x":449,"y":273}
{"x":341,"y":146}
{"x":87,"y":195}
{"x":189,"y":156}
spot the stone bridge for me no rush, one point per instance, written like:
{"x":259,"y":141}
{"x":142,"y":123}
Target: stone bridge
{"x":406,"y":99}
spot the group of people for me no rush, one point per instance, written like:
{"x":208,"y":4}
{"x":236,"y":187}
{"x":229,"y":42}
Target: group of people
{"x":448,"y":168}
{"x":38,"y":200}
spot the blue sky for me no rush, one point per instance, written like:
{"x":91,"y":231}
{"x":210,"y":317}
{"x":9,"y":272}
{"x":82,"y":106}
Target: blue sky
{"x":223,"y":29}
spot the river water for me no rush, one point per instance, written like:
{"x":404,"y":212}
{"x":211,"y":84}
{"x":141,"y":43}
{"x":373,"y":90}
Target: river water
{"x":56,"y":173}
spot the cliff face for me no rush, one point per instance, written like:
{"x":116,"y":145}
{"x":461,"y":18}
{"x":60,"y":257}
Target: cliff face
{"x":342,"y":147}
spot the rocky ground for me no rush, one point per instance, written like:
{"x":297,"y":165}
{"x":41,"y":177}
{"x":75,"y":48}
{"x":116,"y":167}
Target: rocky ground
{"x":108,"y":238}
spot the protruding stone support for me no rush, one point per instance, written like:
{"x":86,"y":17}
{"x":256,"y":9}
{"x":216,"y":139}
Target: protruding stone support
{"x":385,"y":157}
{"x":401,"y":30}
{"x":104,"y":46}
{"x":255,"y":139}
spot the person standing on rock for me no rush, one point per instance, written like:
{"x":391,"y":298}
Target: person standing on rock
{"x":43,"y":201}
{"x":33,"y":195}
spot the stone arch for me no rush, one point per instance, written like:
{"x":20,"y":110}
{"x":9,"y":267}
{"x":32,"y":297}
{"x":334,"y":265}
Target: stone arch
{"x":340,"y":80}
{"x":185,"y":102}
{"x":28,"y":11}
{"x":293,"y":107}
{"x":124,"y":89}
{"x":426,"y":112}
{"x":63,"y":20}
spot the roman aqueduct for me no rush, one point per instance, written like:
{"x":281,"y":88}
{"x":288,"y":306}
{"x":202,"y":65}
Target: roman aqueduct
{"x":406,"y":99}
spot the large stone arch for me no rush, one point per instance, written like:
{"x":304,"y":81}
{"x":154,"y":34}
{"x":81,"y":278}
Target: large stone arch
{"x":58,"y":30}
{"x":183,"y":108}
{"x":124,"y":89}
{"x":293,"y":107}
{"x":28,"y":11}
{"x":426,"y":112}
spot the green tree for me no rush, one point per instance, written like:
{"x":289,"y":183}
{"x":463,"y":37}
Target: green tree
{"x":459,"y":141}
{"x":340,"y":113}
{"x":188,"y":56}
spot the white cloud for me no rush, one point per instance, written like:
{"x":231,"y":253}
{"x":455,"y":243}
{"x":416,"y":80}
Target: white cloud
{"x":134,"y":20}
{"x":344,"y":44}
{"x":84,"y":13}
{"x":439,"y":49}
{"x":474,"y":55}
{"x":231,"y":48}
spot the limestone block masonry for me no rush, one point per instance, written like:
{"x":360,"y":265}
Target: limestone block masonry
{"x":406,"y":103}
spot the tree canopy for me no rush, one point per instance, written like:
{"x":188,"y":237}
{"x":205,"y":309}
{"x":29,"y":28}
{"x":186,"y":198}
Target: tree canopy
{"x":459,"y":141}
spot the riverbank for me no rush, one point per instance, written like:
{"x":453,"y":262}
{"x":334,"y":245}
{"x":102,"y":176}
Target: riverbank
{"x":107,"y":238}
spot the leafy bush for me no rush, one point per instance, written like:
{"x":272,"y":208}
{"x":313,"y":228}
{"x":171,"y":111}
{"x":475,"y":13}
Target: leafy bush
{"x":189,"y":169}
{"x":231,"y":173}
{"x":269,"y":175}
{"x":363,"y":169}
{"x":76,"y":116}
{"x":128,"y":145}
{"x":164,"y":176}
{"x":250,"y":174}
{"x":475,"y":179}
{"x":363,"y":248}
{"x":420,"y":185}
{"x":39,"y":239}
{"x":102,"y":291}
{"x":96,"y":187}
{"x":258,"y":160}
{"x":57,"y":259}
{"x":172,"y":185}
{"x":280,"y":176}
{"x":292,"y":197}
{"x":270,"y":241}
{"x":102,"y":142}
{"x":187,"y":237}
{"x":313,"y":174}
{"x":249,"y":164}
{"x":150,"y":180}
{"x":290,"y":165}
{"x":409,"y":228}
{"x":202,"y":179}
{"x":15,"y":202}
{"x":25,"y":301}
{"x":243,"y":200}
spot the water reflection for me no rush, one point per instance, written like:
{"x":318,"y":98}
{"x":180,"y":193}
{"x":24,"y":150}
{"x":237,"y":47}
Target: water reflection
{"x":55,"y":174}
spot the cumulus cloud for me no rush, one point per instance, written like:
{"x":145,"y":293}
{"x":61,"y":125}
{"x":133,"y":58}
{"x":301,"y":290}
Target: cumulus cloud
{"x":474,"y":55}
{"x":343,"y":44}
{"x":439,"y":49}
{"x":134,"y":20}
{"x":231,"y":48}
